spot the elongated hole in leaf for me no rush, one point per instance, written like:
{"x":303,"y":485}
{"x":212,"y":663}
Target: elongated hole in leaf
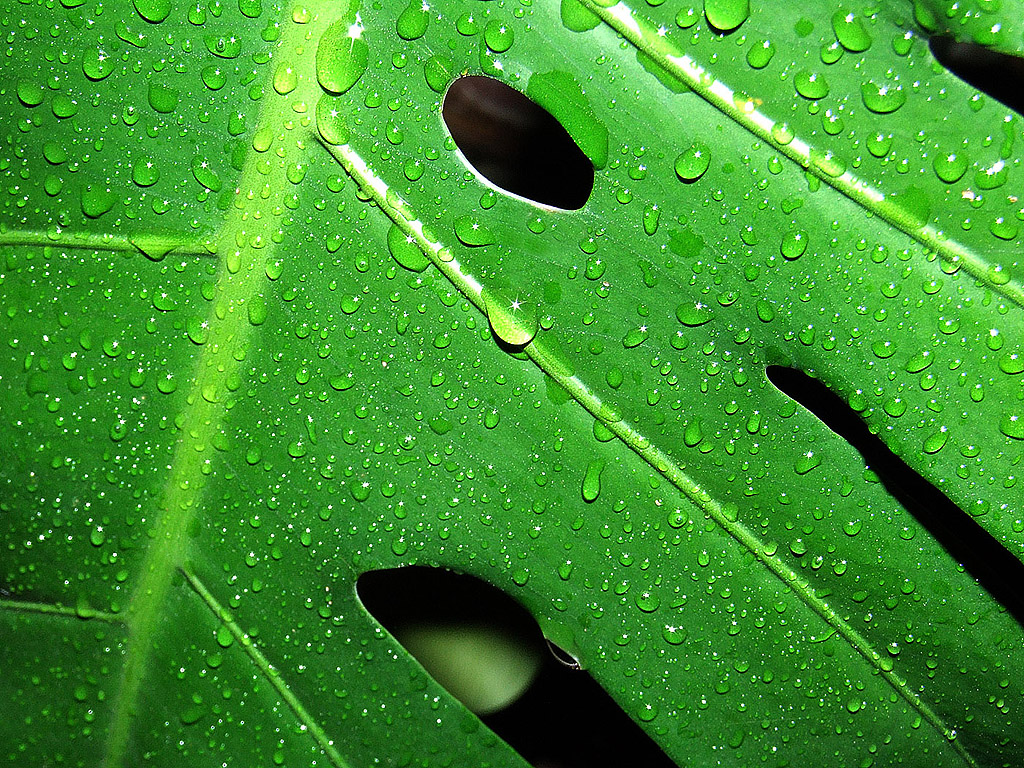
{"x":999,"y":75}
{"x":983,"y":557}
{"x":562,"y":719}
{"x":516,"y":144}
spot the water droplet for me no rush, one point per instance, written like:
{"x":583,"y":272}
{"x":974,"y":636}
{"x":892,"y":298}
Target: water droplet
{"x":592,"y":480}
{"x":471,"y":231}
{"x":406,"y":251}
{"x":439,"y":72}
{"x":30,"y":93}
{"x":794,"y":244}
{"x":96,"y":65}
{"x":882,"y":98}
{"x":765,"y":313}
{"x":145,"y":173}
{"x":162,"y":98}
{"x":96,"y":201}
{"x":992,"y":177}
{"x":224,"y":47}
{"x":647,"y":601}
{"x":883,"y":349}
{"x":850,"y":31}
{"x":635,"y":337}
{"x":251,"y":9}
{"x":203,"y":173}
{"x":726,"y":15}
{"x":330,"y":120}
{"x":153,"y":11}
{"x":692,"y":434}
{"x":1012,"y":363}
{"x":693,"y":314}
{"x":934,"y":443}
{"x":760,"y":54}
{"x":257,"y":310}
{"x":197,"y":330}
{"x":693,"y":162}
{"x":673,"y":635}
{"x":285,"y":78}
{"x":54,"y":153}
{"x":64,"y":106}
{"x":919,"y":362}
{"x":498,"y":35}
{"x":513,"y":320}
{"x":949,"y":166}
{"x":1003,"y":228}
{"x":1012,"y":425}
{"x":811,"y":85}
{"x":341,"y":55}
{"x":806,"y":462}
{"x":652,"y":214}
{"x":412,"y":22}
{"x":782,"y":133}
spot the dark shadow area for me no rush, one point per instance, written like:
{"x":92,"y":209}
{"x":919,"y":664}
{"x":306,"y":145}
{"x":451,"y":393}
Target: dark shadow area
{"x":984,"y":558}
{"x":999,"y":75}
{"x":564,"y":719}
{"x":516,"y":144}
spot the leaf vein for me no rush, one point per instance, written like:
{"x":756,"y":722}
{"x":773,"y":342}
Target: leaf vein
{"x":441,"y":256}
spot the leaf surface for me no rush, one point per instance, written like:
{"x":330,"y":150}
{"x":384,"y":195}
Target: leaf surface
{"x":265,"y":333}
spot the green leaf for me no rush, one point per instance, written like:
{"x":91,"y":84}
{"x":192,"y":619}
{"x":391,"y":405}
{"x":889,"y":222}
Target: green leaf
{"x":292,"y":354}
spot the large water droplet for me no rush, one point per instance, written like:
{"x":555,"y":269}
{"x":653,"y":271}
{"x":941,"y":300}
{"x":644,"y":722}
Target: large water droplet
{"x":882,"y":98}
{"x":693,"y":161}
{"x":693,"y":314}
{"x":341,"y":55}
{"x":96,"y":201}
{"x":950,"y":166}
{"x":145,"y":173}
{"x":472,"y":231}
{"x":498,"y":35}
{"x":806,"y":462}
{"x":153,"y":11}
{"x":96,"y":64}
{"x":1012,"y":425}
{"x":850,"y":31}
{"x":412,"y":22}
{"x":592,"y":480}
{"x":406,"y":251}
{"x":162,"y":98}
{"x":811,"y":85}
{"x":794,"y":244}
{"x":726,"y":15}
{"x":760,"y":54}
{"x":513,"y":318}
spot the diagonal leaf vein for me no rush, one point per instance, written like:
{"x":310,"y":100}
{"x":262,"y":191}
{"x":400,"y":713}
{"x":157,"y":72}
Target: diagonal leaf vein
{"x":541,"y":353}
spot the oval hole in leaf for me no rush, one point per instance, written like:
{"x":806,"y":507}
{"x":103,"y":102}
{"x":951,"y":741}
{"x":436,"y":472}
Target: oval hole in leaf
{"x":563,"y":718}
{"x":999,"y":75}
{"x":995,"y":568}
{"x":516,"y":144}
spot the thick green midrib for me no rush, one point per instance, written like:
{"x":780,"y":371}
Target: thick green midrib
{"x":546,"y":359}
{"x":243,"y":244}
{"x":644,"y":37}
{"x":267,"y":670}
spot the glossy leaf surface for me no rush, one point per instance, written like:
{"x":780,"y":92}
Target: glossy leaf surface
{"x":265,"y":330}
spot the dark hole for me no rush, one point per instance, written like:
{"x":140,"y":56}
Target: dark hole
{"x":564,"y":719}
{"x":984,"y":558}
{"x":999,"y":75}
{"x":516,"y":144}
